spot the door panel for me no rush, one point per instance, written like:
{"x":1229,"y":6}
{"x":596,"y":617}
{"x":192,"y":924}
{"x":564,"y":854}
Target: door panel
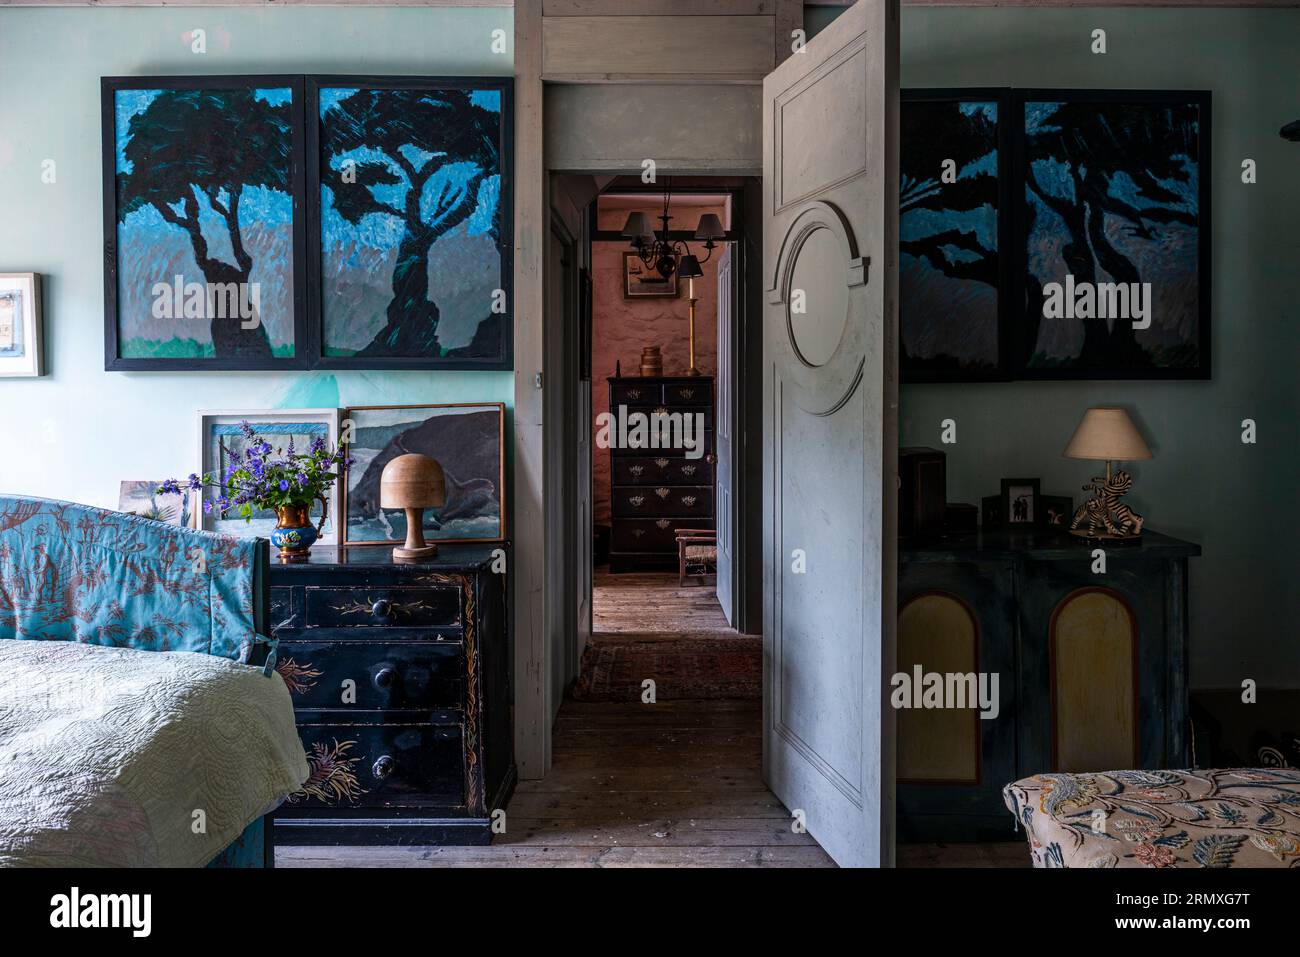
{"x":830,"y":398}
{"x":725,"y":425}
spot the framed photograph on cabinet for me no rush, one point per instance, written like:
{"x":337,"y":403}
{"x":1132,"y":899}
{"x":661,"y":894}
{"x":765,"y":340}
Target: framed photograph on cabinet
{"x":222,"y":442}
{"x":467,"y":440}
{"x":204,"y":225}
{"x":412,"y":219}
{"x":1020,"y":502}
{"x":1057,"y":510}
{"x":22,"y":348}
{"x":1113,"y":194}
{"x":954,"y":234}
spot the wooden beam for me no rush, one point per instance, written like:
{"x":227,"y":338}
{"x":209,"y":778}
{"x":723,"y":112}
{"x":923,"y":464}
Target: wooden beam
{"x":532,"y":223}
{"x":660,"y":8}
{"x":657,"y":46}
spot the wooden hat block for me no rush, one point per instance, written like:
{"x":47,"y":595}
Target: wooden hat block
{"x":413,"y":482}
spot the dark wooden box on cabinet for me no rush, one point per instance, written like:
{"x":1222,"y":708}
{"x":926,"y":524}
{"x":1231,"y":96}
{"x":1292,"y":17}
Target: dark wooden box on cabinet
{"x":1092,"y":668}
{"x":655,"y":491}
{"x":399,"y":674}
{"x":922,"y":491}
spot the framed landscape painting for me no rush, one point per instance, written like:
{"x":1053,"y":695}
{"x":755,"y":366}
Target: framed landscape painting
{"x":204,"y":232}
{"x":22,"y":347}
{"x":467,"y":440}
{"x":954,"y":230}
{"x":221,"y":440}
{"x":1114,"y":229}
{"x":412,"y":221}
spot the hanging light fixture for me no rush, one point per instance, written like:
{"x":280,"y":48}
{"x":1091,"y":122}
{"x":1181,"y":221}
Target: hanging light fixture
{"x":657,"y":249}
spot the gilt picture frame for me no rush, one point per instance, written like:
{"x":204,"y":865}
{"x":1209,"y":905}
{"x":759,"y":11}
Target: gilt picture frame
{"x":466,"y":438}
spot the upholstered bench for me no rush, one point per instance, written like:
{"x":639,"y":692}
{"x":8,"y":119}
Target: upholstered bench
{"x":1234,"y":817}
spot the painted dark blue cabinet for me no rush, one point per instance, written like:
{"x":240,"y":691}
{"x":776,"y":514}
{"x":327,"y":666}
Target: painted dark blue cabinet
{"x":400,"y":678}
{"x":1092,"y":668}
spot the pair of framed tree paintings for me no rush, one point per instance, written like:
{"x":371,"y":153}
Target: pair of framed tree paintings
{"x":1051,"y":234}
{"x":293,"y":222}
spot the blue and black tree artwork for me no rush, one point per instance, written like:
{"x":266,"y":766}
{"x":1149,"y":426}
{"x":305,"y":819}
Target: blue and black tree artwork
{"x":411,"y":221}
{"x":204,"y":200}
{"x":948,"y":238}
{"x":1111,"y":196}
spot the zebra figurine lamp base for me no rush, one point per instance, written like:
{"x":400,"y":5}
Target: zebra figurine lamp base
{"x":1107,"y":434}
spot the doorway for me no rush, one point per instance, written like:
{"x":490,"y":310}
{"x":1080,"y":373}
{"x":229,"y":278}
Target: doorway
{"x":670,"y":586}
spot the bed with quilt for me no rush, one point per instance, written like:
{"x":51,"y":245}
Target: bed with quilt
{"x":141,"y":721}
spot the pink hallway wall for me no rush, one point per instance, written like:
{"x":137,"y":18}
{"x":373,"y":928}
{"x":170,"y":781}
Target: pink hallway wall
{"x":620,"y":327}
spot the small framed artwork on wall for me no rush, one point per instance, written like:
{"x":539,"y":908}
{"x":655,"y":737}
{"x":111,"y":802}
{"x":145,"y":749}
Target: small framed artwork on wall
{"x":644,"y":282}
{"x":204,"y":226}
{"x":21,"y":325}
{"x":1020,"y":505}
{"x":409,"y":180}
{"x":222,"y":443}
{"x":954,"y":233}
{"x":467,"y":440}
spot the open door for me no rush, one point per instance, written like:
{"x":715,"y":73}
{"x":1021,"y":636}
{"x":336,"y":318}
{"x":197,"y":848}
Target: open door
{"x":723,"y":502}
{"x":830,"y":214}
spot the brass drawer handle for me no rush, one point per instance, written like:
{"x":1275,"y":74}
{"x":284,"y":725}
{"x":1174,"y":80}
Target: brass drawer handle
{"x":663,"y":523}
{"x":636,"y":501}
{"x":688,"y":500}
{"x":662,"y":463}
{"x":688,"y":469}
{"x":686,"y":393}
{"x":638,"y":532}
{"x":634,"y":394}
{"x":662,"y":492}
{"x":636,"y":470}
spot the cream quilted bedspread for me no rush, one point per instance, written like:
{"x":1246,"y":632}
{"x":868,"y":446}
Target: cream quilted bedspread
{"x":111,"y":757}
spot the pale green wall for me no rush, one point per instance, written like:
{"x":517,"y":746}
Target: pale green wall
{"x":77,"y":432}
{"x":1238,"y":501}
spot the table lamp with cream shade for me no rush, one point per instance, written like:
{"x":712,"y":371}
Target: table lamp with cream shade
{"x":413,"y":482}
{"x":1107,"y":435}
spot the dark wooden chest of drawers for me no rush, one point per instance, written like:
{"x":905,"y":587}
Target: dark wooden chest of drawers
{"x":655,"y":491}
{"x":399,"y":675}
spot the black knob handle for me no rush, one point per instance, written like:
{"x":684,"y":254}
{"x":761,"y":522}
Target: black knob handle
{"x":383,"y":767}
{"x":382,"y":608}
{"x":383,"y":678}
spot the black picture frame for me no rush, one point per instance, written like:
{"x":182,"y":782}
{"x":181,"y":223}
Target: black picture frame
{"x":913,"y":369}
{"x":1009,"y":512}
{"x":109,"y":88}
{"x":1020,"y":317}
{"x":504,"y":361}
{"x":1016,"y":322}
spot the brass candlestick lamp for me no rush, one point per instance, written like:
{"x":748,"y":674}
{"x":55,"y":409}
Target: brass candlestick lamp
{"x":689,"y":269}
{"x":413,"y":482}
{"x":1107,"y":435}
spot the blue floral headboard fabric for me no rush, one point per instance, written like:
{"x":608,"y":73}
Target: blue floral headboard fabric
{"x":75,"y":573}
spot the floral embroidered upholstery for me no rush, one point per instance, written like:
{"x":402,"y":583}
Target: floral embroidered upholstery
{"x":75,"y":573}
{"x":1235,"y":817}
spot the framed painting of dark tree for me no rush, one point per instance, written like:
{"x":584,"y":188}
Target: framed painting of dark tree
{"x":954,"y":230}
{"x":1113,"y":194}
{"x":204,"y":229}
{"x":410,"y":179}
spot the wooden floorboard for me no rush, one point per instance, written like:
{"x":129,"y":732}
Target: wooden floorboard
{"x":671,"y":784}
